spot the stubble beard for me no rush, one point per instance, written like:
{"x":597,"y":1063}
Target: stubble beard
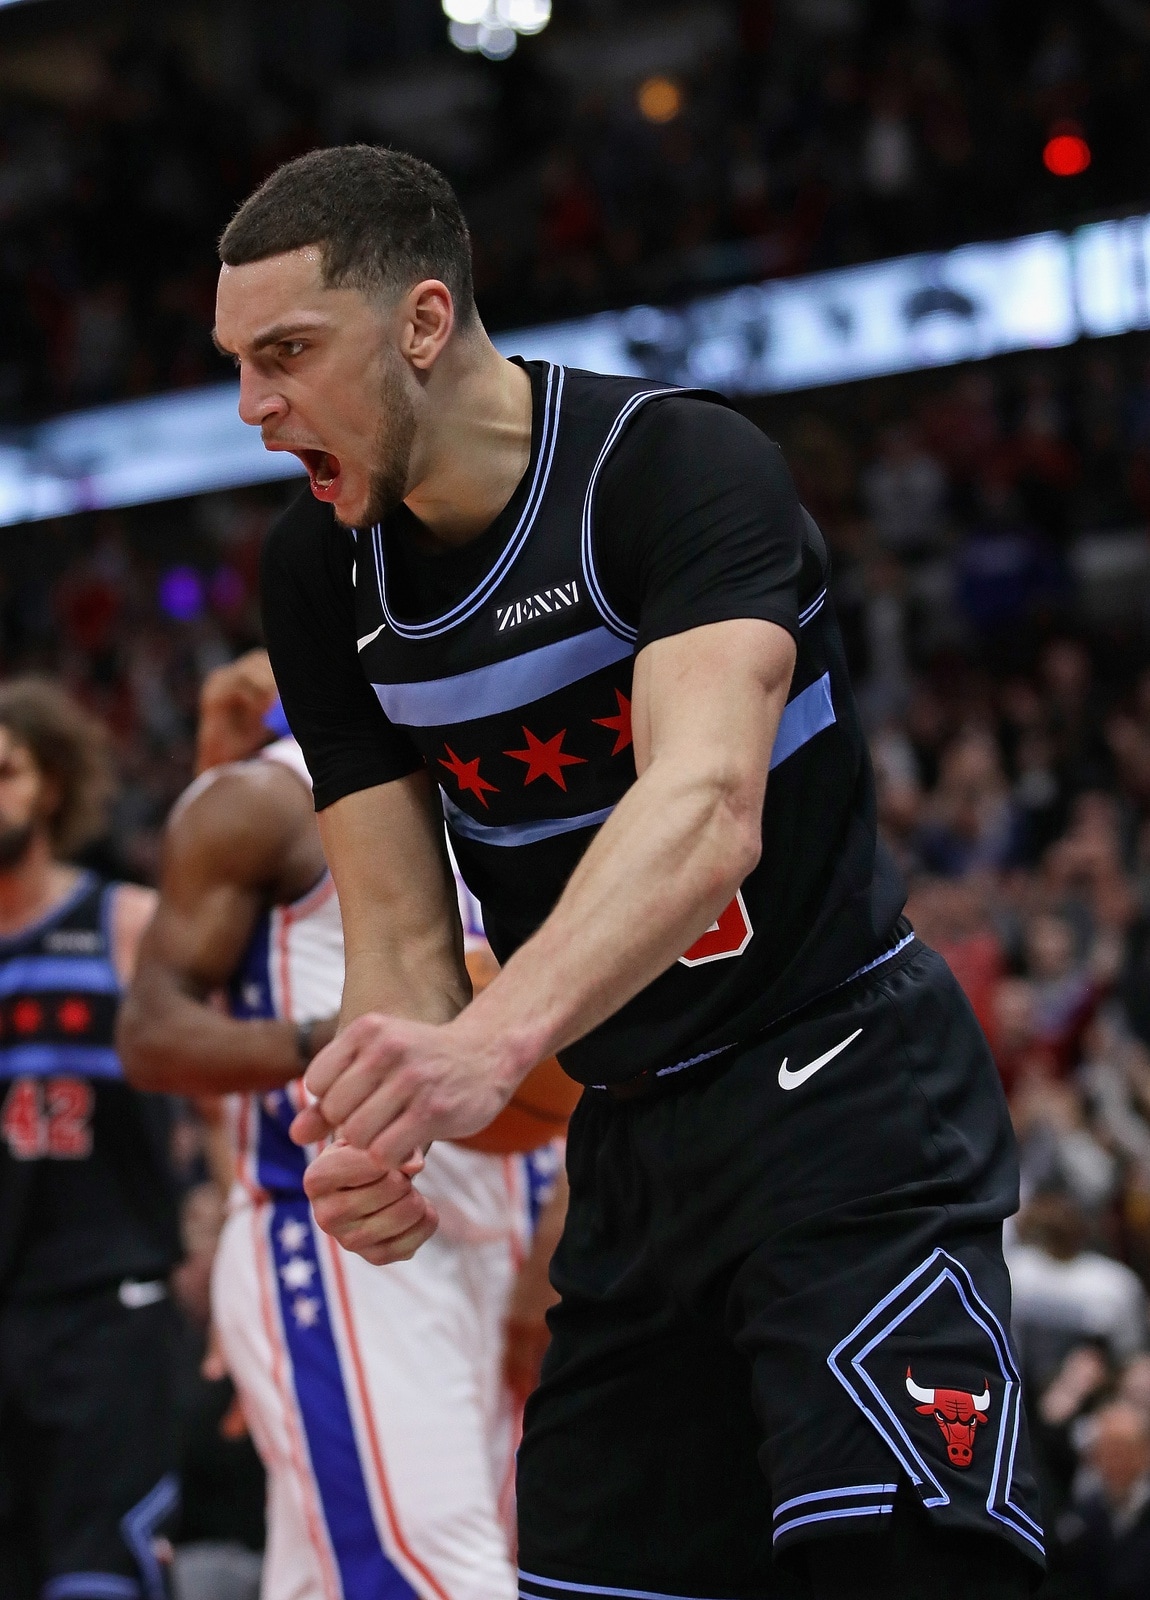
{"x":395,"y":441}
{"x":15,"y":843}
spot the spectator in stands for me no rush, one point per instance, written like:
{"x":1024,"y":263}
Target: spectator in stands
{"x":1057,"y":1149}
{"x":1111,"y":1550}
{"x":1025,"y":1061}
{"x":970,"y":820}
{"x":1065,"y":991}
{"x":904,"y":490}
{"x":954,"y":916}
{"x":1065,"y":1293}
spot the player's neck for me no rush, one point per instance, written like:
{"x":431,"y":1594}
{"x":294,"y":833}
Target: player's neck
{"x":475,"y":442}
{"x":33,"y":887}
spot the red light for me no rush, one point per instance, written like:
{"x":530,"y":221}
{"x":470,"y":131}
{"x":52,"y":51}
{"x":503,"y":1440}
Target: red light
{"x":1066,"y":155}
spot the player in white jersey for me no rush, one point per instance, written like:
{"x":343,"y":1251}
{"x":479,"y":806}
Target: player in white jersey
{"x":374,"y":1395}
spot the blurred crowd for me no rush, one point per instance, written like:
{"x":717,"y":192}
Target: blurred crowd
{"x":131,"y":611}
{"x":630,"y":151}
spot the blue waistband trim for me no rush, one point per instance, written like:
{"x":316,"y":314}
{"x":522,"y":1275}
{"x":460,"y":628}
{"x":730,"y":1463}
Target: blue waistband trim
{"x":610,"y":1590}
{"x":90,"y":1586}
{"x":887,"y":955}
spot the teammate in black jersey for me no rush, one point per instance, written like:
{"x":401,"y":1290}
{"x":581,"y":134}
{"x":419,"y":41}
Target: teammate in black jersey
{"x":87,"y":1219}
{"x":583,"y":618}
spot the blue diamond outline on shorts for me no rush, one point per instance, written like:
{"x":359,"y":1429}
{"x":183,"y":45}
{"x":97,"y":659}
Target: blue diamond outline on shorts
{"x":846,"y":1362}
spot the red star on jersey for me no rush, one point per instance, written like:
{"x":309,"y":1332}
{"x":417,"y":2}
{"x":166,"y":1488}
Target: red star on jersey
{"x":74,"y":1015}
{"x":466,"y":775}
{"x":27,"y":1016}
{"x":545,"y":759}
{"x":620,"y":724}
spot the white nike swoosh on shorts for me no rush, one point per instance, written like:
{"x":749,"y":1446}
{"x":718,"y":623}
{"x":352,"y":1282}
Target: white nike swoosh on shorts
{"x":792,"y":1080}
{"x":135,"y":1295}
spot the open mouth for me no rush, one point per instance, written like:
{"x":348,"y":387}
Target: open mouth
{"x":324,"y":471}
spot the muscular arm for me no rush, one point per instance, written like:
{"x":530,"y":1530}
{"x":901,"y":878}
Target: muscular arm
{"x":402,"y":937}
{"x":706,"y":708}
{"x":247,"y":839}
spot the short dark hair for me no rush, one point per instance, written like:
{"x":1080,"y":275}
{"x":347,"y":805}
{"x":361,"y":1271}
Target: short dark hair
{"x":70,"y":747}
{"x":383,"y":219}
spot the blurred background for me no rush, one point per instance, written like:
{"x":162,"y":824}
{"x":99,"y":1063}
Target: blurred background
{"x":910,"y":238}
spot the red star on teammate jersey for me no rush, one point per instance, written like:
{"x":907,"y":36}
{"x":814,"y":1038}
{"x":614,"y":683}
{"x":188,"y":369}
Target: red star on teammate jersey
{"x":27,"y":1016}
{"x":545,"y":759}
{"x":620,"y":724}
{"x":466,"y":775}
{"x":74,"y":1015}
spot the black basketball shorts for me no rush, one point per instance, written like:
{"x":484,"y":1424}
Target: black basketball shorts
{"x":87,"y":1445}
{"x":784,"y":1304}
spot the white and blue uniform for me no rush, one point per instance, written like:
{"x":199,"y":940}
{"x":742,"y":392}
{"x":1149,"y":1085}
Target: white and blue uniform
{"x":374,"y":1394}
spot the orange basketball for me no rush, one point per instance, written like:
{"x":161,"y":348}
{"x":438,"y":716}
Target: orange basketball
{"x":539,"y":1108}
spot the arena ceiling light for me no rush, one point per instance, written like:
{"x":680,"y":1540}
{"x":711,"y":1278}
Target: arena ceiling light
{"x":493,"y":27}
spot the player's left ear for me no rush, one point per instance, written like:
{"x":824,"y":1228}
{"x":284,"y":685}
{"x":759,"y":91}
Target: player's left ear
{"x":427,"y":322}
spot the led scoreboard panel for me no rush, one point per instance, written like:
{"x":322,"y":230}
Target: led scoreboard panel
{"x":832,"y":327}
{"x":916,"y":312}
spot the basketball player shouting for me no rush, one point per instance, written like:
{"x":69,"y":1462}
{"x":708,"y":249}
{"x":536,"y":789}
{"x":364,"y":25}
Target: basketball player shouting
{"x":585,"y":617}
{"x":88,"y":1229}
{"x":375,"y":1398}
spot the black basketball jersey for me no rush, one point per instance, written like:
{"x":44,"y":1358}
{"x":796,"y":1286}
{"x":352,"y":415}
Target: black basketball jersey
{"x":518,"y":697}
{"x":85,"y":1192}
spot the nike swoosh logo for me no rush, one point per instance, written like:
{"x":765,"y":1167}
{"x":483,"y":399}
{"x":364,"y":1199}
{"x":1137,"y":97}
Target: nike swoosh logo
{"x":362,"y":644}
{"x":791,"y":1080}
{"x":135,"y":1295}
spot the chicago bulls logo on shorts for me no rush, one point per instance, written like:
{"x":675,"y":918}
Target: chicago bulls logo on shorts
{"x":961,"y":1447}
{"x":958,"y":1413}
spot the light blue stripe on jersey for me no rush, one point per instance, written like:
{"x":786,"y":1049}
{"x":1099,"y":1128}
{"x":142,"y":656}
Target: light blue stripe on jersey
{"x":365,"y":1569}
{"x":487,"y":691}
{"x":808,"y":713}
{"x":53,"y":1060}
{"x":517,"y":833}
{"x":35,"y":974}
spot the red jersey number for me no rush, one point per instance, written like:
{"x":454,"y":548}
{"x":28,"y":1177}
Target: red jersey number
{"x":728,"y":936}
{"x":50,"y":1118}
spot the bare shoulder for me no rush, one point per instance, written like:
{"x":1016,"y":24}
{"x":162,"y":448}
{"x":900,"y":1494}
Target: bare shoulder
{"x":133,"y":907}
{"x":241,"y":821}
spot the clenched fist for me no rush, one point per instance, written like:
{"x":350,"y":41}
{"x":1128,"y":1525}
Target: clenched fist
{"x":378,"y":1215}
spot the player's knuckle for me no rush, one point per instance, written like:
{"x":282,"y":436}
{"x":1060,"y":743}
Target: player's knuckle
{"x":438,"y":1100}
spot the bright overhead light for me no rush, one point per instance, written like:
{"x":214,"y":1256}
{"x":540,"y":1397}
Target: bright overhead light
{"x":497,"y":42}
{"x":468,"y":12}
{"x":525,"y":16}
{"x":492,"y":27}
